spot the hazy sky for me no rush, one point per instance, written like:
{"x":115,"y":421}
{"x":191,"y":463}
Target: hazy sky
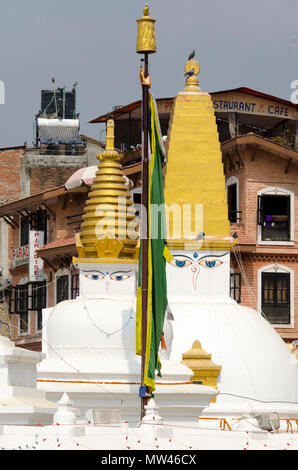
{"x":252,"y":43}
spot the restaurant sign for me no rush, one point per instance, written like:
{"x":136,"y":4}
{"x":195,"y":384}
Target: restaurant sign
{"x":36,"y":241}
{"x":20,"y":255}
{"x":242,"y":103}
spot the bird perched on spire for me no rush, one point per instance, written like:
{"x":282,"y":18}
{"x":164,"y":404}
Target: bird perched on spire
{"x":191,"y":56}
{"x":189,"y":73}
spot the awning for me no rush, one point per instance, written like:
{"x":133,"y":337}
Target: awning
{"x":65,"y":246}
{"x":85,"y":176}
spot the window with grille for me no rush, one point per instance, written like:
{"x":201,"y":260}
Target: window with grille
{"x":235,"y":286}
{"x":25,"y":298}
{"x":276,"y":297}
{"x":21,"y":298}
{"x":274,"y":217}
{"x":21,"y":307}
{"x":62,"y":288}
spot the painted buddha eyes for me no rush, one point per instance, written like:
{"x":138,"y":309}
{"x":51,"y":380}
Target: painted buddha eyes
{"x":97,"y":276}
{"x":119,"y":277}
{"x":210,"y":263}
{"x":181,"y":261}
{"x":94,"y":277}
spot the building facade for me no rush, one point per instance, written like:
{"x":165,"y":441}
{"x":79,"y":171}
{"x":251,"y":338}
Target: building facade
{"x":262,"y":192}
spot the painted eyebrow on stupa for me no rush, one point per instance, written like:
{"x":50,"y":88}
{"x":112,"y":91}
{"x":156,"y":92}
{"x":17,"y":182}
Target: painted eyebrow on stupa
{"x":184,"y":256}
{"x":124,"y":272}
{"x":213,"y":256}
{"x":93,"y":271}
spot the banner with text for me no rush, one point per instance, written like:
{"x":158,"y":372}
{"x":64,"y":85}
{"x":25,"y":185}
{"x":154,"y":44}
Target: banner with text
{"x":36,"y":241}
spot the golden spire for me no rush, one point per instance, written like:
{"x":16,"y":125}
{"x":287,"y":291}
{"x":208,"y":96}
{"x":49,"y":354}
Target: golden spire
{"x":193,"y":145}
{"x":108,"y":231}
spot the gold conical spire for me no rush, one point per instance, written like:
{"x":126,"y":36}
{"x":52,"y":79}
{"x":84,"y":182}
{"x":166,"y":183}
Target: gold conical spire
{"x":194,"y":173}
{"x":108,"y":231}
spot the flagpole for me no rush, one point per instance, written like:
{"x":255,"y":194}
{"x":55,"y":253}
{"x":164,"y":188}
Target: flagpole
{"x":145,"y":45}
{"x":144,"y":231}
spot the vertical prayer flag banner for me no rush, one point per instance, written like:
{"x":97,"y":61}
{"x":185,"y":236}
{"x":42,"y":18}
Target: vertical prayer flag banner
{"x":36,"y":241}
{"x":157,"y":254}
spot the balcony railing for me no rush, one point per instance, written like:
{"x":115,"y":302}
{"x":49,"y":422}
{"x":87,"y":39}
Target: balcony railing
{"x":235,"y":217}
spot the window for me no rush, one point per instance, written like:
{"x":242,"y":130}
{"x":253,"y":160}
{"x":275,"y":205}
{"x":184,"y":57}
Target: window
{"x":235,"y":286}
{"x":24,"y":231}
{"x":274,"y":217}
{"x":75,"y":286}
{"x":21,"y":298}
{"x":36,"y":221}
{"x":232,"y":187}
{"x":39,"y":222}
{"x":62,"y":288}
{"x":21,"y":307}
{"x":232,"y":203}
{"x":276,"y":297}
{"x":24,"y":298}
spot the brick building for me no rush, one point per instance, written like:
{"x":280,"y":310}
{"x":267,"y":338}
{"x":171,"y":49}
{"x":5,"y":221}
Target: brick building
{"x":262,"y":188}
{"x":57,"y":213}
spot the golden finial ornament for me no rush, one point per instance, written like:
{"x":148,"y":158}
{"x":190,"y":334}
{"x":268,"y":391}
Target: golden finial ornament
{"x":204,"y":369}
{"x":146,"y":43}
{"x":109,"y":227}
{"x":192,"y":69}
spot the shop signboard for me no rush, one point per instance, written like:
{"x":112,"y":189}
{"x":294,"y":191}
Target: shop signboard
{"x":36,"y":241}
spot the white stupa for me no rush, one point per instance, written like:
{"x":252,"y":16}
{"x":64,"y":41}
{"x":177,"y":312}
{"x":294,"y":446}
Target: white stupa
{"x":257,"y":370}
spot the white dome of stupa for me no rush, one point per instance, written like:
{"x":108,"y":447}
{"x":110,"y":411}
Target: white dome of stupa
{"x":255,"y":362}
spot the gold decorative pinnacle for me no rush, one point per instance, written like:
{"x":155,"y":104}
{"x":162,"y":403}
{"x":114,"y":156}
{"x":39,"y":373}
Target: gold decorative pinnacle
{"x":109,"y":224}
{"x":199,"y":361}
{"x":110,"y":153}
{"x":146,"y":43}
{"x":146,"y":11}
{"x":192,"y":69}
